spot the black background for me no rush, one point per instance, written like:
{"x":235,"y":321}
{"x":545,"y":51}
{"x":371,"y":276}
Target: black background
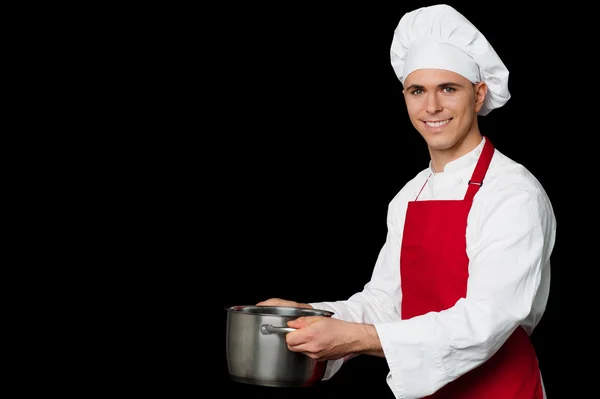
{"x":225,"y":153}
{"x":305,"y":140}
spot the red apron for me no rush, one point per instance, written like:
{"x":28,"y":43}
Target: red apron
{"x":434,"y":273}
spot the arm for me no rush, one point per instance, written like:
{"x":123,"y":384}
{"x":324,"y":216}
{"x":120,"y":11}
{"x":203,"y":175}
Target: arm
{"x":325,"y":338}
{"x":379,"y":301}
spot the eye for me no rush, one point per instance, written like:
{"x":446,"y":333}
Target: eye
{"x":416,"y":92}
{"x":448,"y":89}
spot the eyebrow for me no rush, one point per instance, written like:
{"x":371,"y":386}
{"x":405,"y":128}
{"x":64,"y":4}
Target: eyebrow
{"x":440,"y":86}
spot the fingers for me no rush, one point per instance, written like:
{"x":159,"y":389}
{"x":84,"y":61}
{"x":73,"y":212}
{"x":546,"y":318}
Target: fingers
{"x":283,"y":302}
{"x":305,"y":340}
{"x":274,"y":302}
{"x":306,"y":348}
{"x":298,"y":348}
{"x":296,"y":339}
{"x":302,"y":321}
{"x":300,"y":337}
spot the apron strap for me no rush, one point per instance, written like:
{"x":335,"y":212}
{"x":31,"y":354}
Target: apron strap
{"x":422,"y":187}
{"x":480,"y":170}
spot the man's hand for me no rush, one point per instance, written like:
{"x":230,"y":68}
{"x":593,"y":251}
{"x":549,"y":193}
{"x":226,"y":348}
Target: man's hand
{"x":283,"y":302}
{"x":326,"y":338}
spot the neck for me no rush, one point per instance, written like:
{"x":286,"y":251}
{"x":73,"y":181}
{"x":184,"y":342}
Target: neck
{"x":439,"y":158}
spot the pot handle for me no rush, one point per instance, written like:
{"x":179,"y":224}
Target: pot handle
{"x":266,"y":329}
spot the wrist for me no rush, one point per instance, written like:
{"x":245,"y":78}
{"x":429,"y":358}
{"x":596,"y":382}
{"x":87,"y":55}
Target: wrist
{"x":368,"y":341}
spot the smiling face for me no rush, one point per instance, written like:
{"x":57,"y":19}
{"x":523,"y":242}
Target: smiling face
{"x":442,"y":106}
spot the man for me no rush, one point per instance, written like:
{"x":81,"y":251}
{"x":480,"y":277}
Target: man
{"x":463,"y":276}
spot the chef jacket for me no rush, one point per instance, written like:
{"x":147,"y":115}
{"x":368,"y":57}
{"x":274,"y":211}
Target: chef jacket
{"x":510,"y":235}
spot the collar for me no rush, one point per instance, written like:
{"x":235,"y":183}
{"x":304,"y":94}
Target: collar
{"x":463,"y":162}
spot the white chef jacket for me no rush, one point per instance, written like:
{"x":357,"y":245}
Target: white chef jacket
{"x":510,"y":235}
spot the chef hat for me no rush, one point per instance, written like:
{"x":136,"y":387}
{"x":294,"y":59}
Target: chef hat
{"x":440,"y":37}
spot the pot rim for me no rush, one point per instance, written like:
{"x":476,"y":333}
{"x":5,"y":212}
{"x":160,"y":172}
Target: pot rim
{"x":269,"y":310}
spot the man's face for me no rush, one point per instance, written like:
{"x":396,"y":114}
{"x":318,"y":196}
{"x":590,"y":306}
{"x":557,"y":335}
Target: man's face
{"x":442,"y":106}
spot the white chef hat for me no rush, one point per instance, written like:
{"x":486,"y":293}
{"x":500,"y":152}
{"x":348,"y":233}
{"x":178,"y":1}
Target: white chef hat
{"x":440,"y":37}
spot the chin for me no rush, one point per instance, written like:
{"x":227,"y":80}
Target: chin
{"x":440,"y":142}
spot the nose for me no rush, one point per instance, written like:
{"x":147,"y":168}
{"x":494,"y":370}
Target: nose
{"x":433,"y":103}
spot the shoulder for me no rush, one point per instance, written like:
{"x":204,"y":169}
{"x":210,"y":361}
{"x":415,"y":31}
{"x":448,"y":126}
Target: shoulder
{"x":504,"y":174}
{"x":510,"y":188}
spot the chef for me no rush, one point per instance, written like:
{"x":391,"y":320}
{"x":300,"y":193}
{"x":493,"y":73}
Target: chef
{"x":463,"y":277}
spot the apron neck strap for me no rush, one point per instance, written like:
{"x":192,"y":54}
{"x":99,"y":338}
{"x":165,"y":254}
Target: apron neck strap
{"x":480,"y":169}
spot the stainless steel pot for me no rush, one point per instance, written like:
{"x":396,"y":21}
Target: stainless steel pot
{"x":257,"y":352}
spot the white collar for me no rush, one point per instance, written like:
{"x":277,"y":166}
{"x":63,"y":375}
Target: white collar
{"x":462,"y":162}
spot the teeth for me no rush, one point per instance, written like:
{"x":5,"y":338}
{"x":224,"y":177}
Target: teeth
{"x":437,"y":124}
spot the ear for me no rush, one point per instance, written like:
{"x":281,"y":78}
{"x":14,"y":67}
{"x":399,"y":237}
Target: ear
{"x":480,"y":91}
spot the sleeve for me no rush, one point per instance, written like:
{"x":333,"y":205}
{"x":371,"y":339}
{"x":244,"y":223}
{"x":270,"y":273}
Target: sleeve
{"x":509,"y":240}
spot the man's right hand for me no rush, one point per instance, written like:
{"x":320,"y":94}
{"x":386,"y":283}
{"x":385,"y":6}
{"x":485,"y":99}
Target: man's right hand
{"x":283,"y":302}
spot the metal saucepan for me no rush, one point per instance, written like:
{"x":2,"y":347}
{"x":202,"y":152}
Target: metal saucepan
{"x":257,"y":352}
